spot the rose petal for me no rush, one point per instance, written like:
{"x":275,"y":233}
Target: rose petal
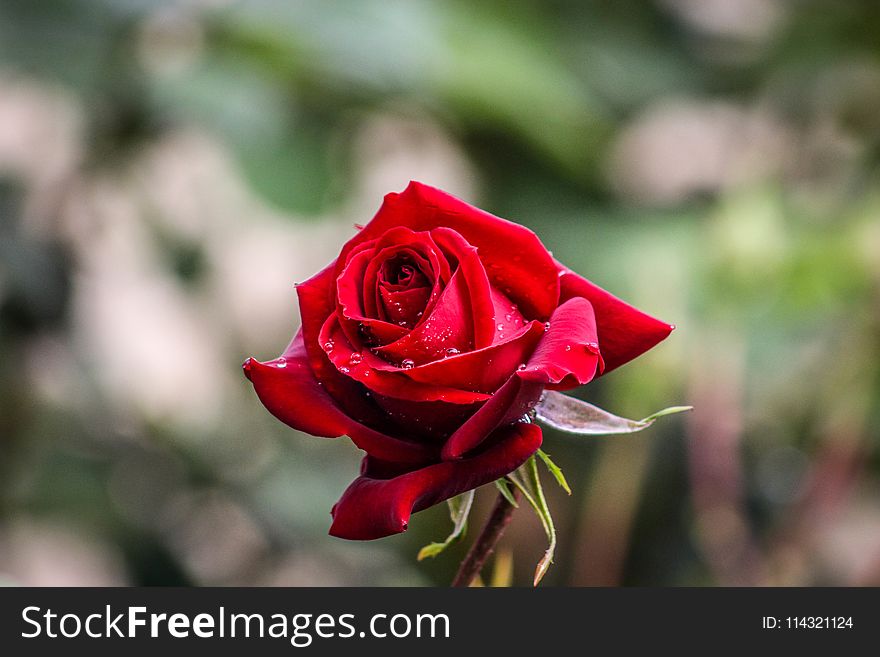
{"x":482,"y":370}
{"x":508,"y":319}
{"x":624,"y":332}
{"x":396,"y":242}
{"x":516,"y":261}
{"x":372,"y":507}
{"x":356,"y":325}
{"x":449,"y":326}
{"x":473,"y":274}
{"x":289,"y":390}
{"x":569,"y":354}
{"x":317,"y":302}
{"x":366,"y":368}
{"x":405,"y":307}
{"x":433,"y":421}
{"x":566,"y":354}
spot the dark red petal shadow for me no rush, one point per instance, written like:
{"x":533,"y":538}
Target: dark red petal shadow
{"x":372,"y":508}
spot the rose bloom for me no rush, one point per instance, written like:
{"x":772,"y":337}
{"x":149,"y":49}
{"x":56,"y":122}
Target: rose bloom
{"x":428,"y":341}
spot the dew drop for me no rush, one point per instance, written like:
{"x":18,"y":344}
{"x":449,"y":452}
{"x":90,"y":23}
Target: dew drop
{"x":355,"y":359}
{"x":344,"y":370}
{"x":521,"y":367}
{"x":281,"y":363}
{"x":452,"y":351}
{"x":508,"y":317}
{"x":501,"y":327}
{"x":407,"y":363}
{"x":328,"y":346}
{"x":568,"y":347}
{"x":546,"y":326}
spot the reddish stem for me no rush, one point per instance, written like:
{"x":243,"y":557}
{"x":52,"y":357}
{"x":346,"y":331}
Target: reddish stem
{"x":485,"y":544}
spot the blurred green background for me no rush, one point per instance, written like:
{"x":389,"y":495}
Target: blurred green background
{"x":169,"y":169}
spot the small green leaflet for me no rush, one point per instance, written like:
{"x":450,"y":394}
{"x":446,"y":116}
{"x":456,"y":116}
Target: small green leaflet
{"x":575,"y":416}
{"x":459,"y":508}
{"x":504,"y":489}
{"x":554,"y":470}
{"x":527,"y":480}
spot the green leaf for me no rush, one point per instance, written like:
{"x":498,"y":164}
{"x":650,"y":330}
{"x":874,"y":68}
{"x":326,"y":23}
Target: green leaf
{"x":527,"y":480}
{"x":578,"y":417}
{"x":459,"y":509}
{"x":554,"y":470}
{"x":504,"y":489}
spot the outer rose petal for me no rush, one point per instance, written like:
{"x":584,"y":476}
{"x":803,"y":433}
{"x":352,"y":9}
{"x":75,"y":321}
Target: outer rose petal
{"x":624,"y":332}
{"x":566,"y":356}
{"x":516,"y":261}
{"x":372,"y":507}
{"x":289,"y":390}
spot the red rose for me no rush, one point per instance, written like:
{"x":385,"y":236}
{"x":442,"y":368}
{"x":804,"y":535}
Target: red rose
{"x":427,"y":341}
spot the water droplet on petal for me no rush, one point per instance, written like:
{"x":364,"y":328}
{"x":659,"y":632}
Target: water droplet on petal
{"x":407,"y":363}
{"x":452,"y":351}
{"x":328,"y":346}
{"x":568,"y":347}
{"x":501,"y":327}
{"x":281,"y":362}
{"x":521,"y":367}
{"x":546,"y":326}
{"x":508,"y":317}
{"x":355,"y":359}
{"x":344,"y":370}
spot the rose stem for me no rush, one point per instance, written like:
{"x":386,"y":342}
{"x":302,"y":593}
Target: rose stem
{"x":485,"y":544}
